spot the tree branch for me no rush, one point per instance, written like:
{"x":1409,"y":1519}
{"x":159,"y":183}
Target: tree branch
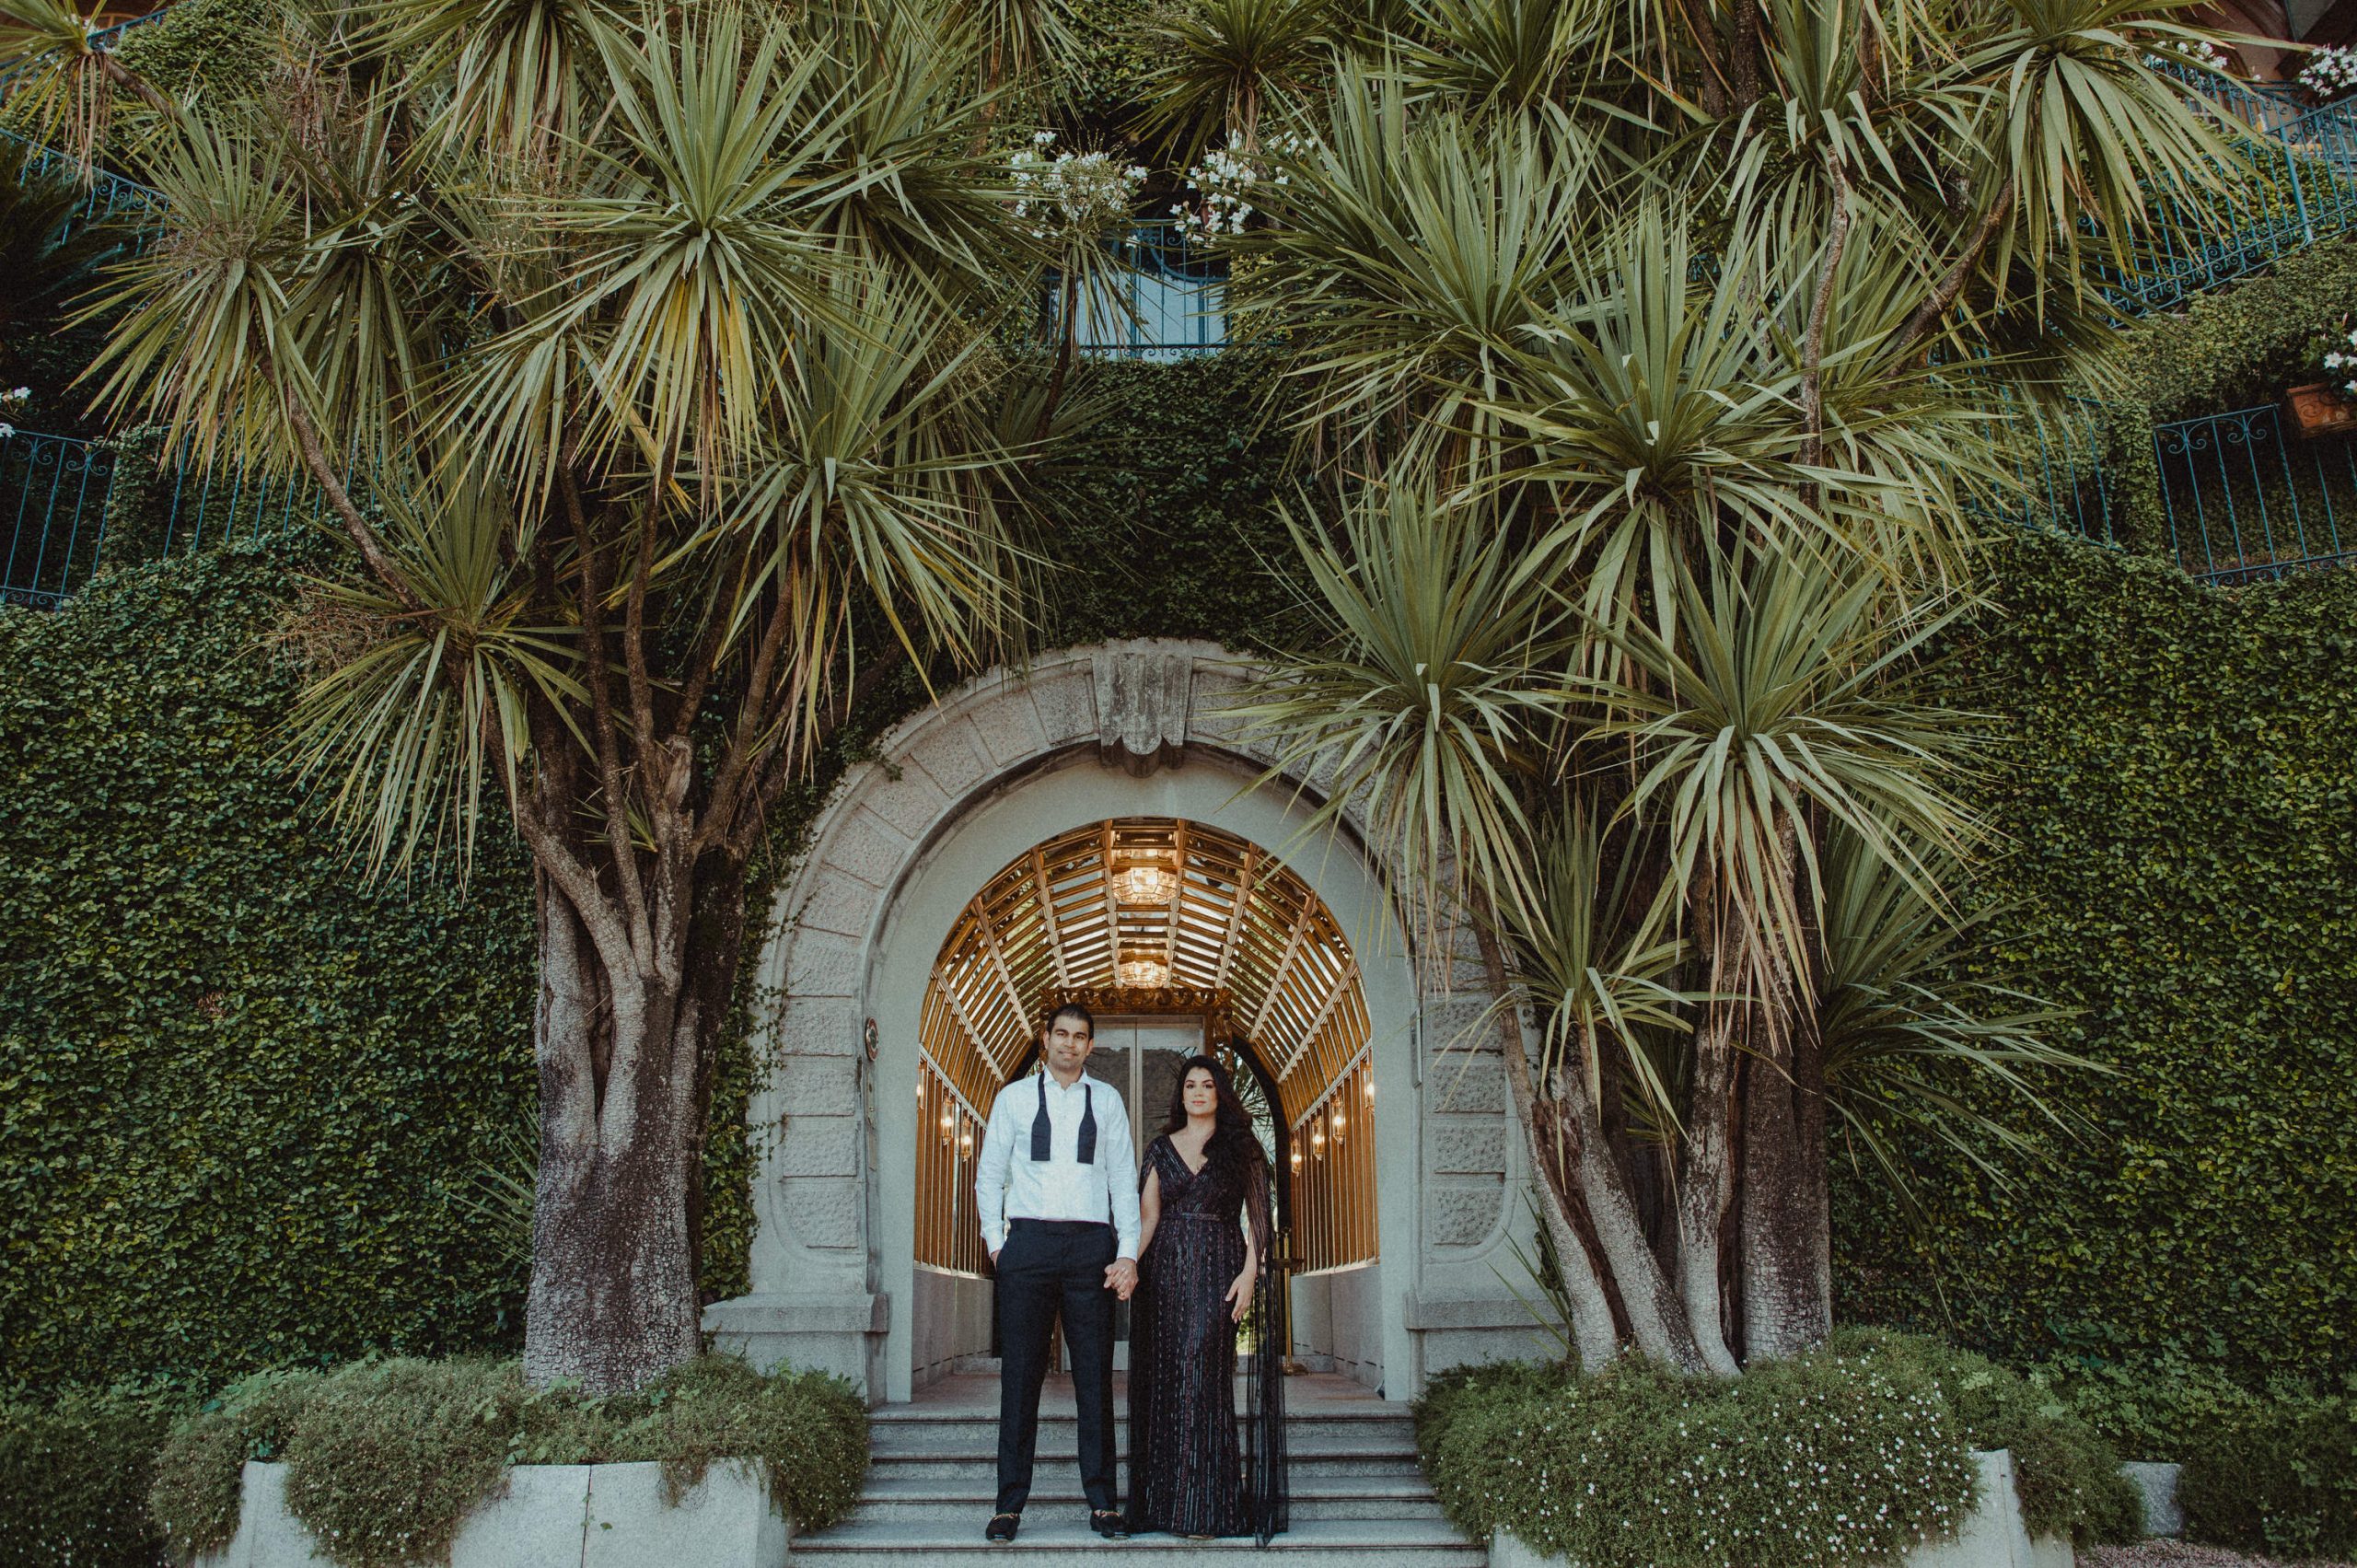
{"x":1928,"y":315}
{"x":123,"y":76}
{"x":779,"y":771}
{"x":372,"y":549}
{"x":603,"y":731}
{"x":1813,"y":347}
{"x":752,"y":720}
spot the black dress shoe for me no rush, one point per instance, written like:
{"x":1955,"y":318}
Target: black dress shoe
{"x":1002,"y":1526}
{"x":1110,"y":1523}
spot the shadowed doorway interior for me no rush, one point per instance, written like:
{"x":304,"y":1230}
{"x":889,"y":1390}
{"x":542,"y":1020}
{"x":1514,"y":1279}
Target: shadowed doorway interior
{"x":1180,"y":937}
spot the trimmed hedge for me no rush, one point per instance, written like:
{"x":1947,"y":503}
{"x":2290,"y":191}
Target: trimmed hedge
{"x":1833,"y":1458}
{"x":2067,"y":1474}
{"x":2179,"y":791}
{"x":385,"y":1459}
{"x":74,"y":1482}
{"x":1850,"y":1455}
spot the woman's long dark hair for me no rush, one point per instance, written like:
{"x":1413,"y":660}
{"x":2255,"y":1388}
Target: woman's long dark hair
{"x":1232,"y":1139}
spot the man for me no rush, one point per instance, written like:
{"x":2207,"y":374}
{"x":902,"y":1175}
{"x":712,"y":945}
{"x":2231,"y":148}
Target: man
{"x":1057,"y":1162}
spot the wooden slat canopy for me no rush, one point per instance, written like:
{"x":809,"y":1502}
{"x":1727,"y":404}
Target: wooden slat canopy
{"x":1234,"y":918}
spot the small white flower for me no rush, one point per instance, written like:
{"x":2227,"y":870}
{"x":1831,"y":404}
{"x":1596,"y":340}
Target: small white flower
{"x":6,"y":431}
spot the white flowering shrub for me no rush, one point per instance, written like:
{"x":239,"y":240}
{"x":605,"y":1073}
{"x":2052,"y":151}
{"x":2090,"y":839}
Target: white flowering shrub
{"x":1066,"y":196}
{"x":2330,"y":73}
{"x":1847,"y":1457}
{"x":11,"y":401}
{"x":2343,"y":365}
{"x":1827,"y":1461}
{"x":1228,"y":184}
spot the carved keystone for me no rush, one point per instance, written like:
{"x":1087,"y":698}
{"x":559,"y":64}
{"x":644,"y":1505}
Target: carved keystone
{"x":1143,"y":697}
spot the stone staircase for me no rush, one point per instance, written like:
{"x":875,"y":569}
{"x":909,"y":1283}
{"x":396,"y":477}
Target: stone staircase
{"x":1358,"y":1494}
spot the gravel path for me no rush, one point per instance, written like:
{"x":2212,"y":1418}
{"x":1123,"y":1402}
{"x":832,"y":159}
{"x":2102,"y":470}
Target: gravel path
{"x":2181,"y":1554}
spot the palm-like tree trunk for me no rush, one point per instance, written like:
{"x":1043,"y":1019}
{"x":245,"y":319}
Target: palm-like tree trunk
{"x":1706,"y":1163}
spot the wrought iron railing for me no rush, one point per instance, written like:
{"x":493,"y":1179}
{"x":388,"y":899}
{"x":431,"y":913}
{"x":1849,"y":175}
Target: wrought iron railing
{"x":1171,"y":301}
{"x":2244,"y":502}
{"x":55,"y":490}
{"x":134,"y":209}
{"x":2050,"y":462}
{"x":70,"y":506}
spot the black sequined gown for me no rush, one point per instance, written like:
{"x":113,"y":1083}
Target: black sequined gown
{"x":1186,"y":1470}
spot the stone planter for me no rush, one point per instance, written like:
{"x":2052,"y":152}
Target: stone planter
{"x":1990,"y":1537}
{"x":2319,"y":409}
{"x":552,"y":1517}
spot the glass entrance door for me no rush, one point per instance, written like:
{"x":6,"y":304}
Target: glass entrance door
{"x":1141,"y":1057}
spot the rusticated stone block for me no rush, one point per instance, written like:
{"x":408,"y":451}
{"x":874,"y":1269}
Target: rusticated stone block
{"x":822,"y":963}
{"x":1468,"y":1082}
{"x":818,"y":1085}
{"x":1454,"y":1024}
{"x":816,"y":1026}
{"x":909,"y":805}
{"x":822,"y":1211}
{"x":841,"y":903}
{"x":951,"y":757}
{"x":1009,"y":727}
{"x":815,"y":1145}
{"x":1474,"y":1149}
{"x":1066,"y":703}
{"x":865,"y":847}
{"x":1461,"y":1214}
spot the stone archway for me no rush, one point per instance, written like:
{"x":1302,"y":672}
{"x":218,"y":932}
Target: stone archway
{"x":1113,"y":730}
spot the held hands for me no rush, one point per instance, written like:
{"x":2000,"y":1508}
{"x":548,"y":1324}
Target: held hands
{"x":1121,"y":1277}
{"x":1240,"y":1293}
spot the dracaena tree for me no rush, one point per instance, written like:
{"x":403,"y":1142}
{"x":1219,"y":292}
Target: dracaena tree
{"x":1650,"y":355}
{"x":644,"y":357}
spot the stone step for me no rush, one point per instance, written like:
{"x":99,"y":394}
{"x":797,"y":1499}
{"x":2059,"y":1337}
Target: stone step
{"x":1062,"y":1539}
{"x":898,"y":1499}
{"x":964,"y":1470}
{"x":1304,"y":1435}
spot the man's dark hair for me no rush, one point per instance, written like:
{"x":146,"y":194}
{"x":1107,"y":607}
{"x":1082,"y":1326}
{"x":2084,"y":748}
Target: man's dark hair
{"x":1072,"y":1010}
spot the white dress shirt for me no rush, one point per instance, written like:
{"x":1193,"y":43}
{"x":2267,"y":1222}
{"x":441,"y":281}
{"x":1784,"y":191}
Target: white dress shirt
{"x":1010,"y":1185}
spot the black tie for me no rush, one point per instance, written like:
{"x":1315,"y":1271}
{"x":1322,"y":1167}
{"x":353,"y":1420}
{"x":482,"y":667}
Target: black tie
{"x":1042,"y":1135}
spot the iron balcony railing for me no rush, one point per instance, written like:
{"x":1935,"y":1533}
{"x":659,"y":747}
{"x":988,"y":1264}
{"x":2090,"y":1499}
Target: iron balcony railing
{"x":2244,"y":502}
{"x":1170,"y":300}
{"x":70,"y":506}
{"x":130,"y":207}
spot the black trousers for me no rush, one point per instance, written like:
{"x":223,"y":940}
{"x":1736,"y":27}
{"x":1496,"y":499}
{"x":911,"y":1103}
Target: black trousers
{"x":1051,"y":1267}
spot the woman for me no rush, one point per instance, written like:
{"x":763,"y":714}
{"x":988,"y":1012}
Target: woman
{"x":1197,"y":1269}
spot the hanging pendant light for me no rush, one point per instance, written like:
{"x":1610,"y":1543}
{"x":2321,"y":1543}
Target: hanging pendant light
{"x":1143,"y":970}
{"x":1146,"y":880}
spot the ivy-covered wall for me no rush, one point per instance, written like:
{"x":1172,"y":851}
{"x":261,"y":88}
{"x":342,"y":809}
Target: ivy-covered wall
{"x":236,"y":1089}
{"x":247,"y":1104}
{"x":2179,"y":788}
